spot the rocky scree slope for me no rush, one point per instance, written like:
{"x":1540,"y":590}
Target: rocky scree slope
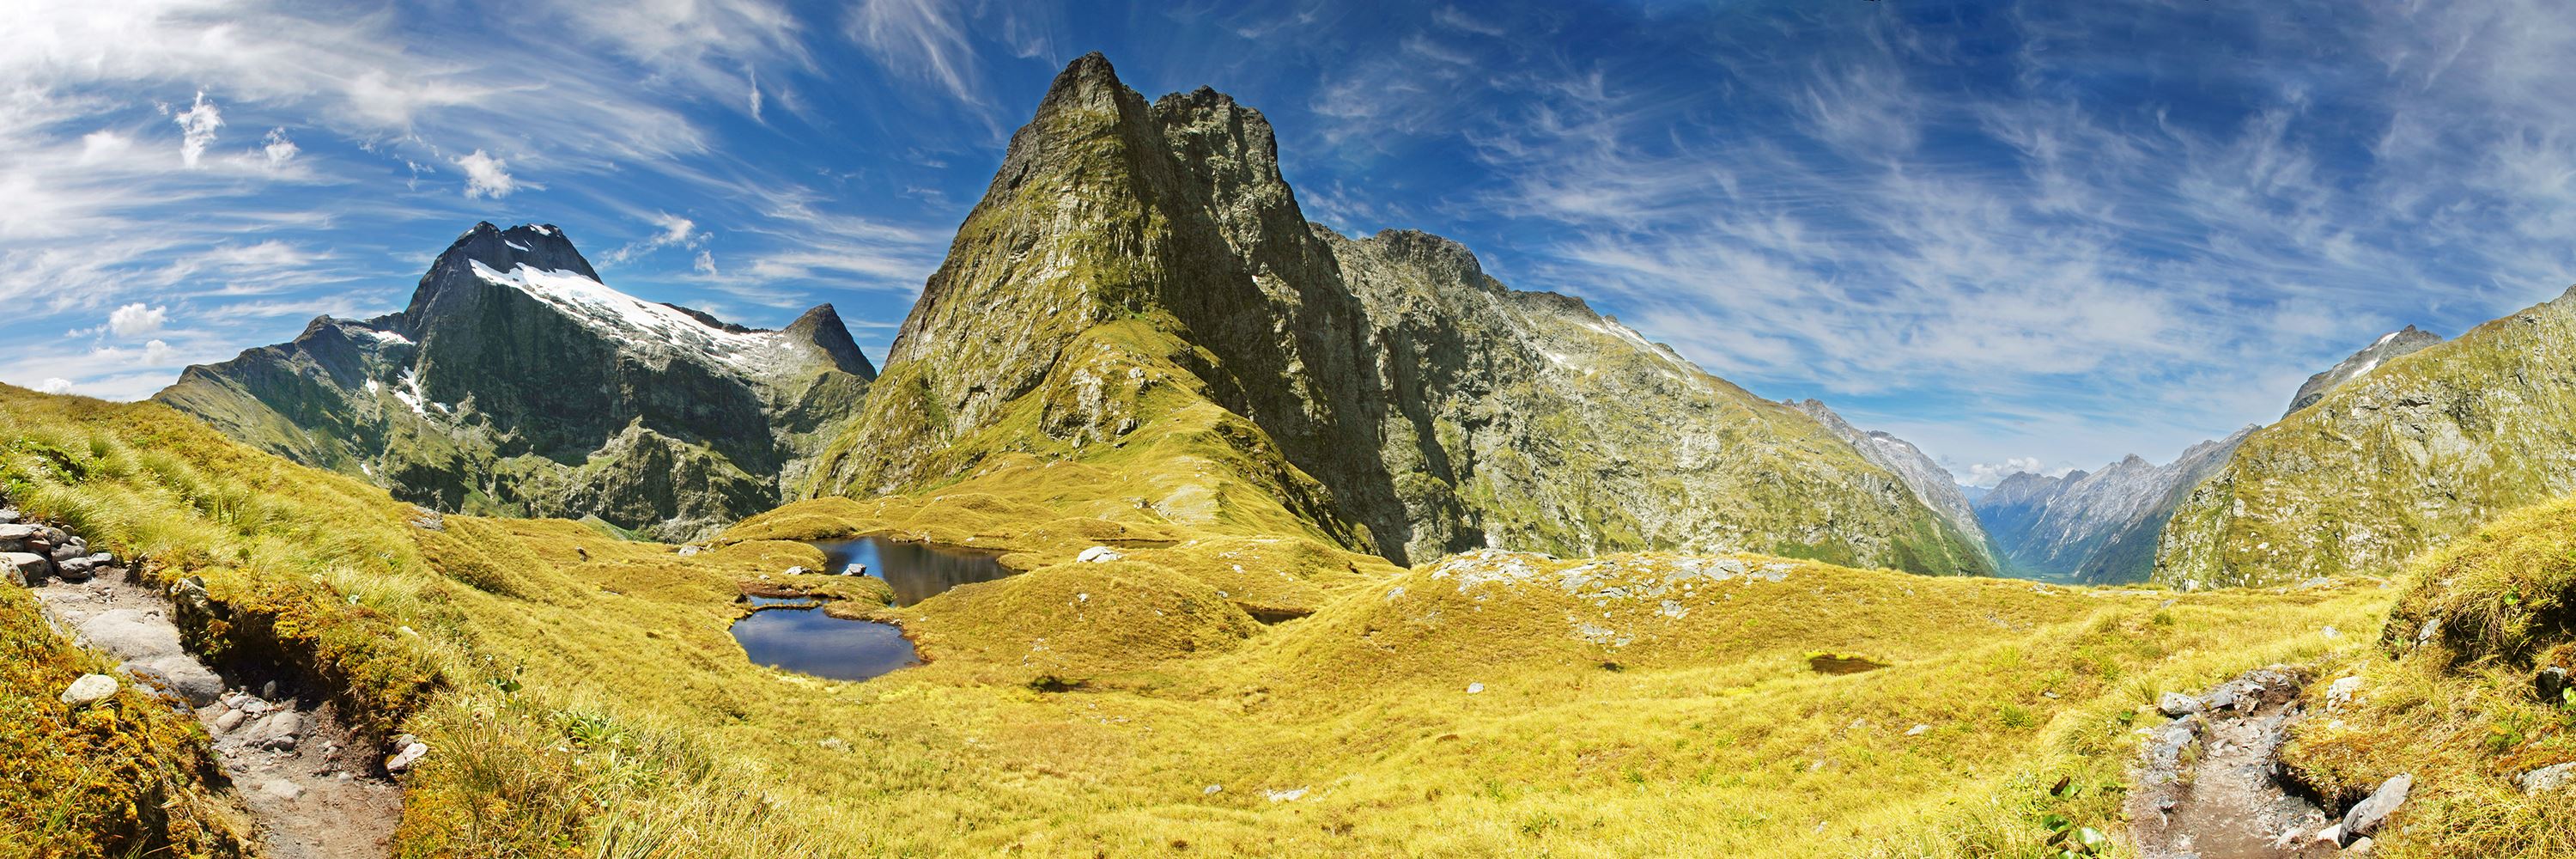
{"x":1935,"y":485}
{"x":2422,"y":448}
{"x":1139,"y":276}
{"x":516,"y":383}
{"x":2099,"y":527}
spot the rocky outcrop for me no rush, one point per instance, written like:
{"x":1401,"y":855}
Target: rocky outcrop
{"x":1139,"y":275}
{"x":2100,"y":526}
{"x":516,"y":383}
{"x":1936,"y":486}
{"x":2403,"y":341}
{"x":2422,"y":448}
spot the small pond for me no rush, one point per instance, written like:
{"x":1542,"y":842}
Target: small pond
{"x":918,"y":571}
{"x":793,"y":634}
{"x":808,"y":641}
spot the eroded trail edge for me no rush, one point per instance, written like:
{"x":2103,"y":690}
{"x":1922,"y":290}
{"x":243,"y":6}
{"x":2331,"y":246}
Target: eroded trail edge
{"x":294,"y":763}
{"x":2207,"y":784}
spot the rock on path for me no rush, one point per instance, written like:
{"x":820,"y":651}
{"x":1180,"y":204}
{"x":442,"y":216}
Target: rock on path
{"x":297,"y":767}
{"x":2223,"y":802}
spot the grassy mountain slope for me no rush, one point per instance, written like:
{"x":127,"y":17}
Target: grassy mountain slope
{"x":2420,"y":451}
{"x":2450,"y":697}
{"x":1138,"y":276}
{"x":1634,"y":704}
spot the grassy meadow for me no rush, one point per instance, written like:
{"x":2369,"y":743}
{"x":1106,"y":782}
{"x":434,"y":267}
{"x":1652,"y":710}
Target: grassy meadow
{"x":1217,"y":690}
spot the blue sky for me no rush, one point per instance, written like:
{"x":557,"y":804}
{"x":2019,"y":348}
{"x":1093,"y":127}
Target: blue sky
{"x":2023,"y":235}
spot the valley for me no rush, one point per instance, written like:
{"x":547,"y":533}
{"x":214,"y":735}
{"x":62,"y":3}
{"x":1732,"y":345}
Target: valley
{"x":1178,"y":524}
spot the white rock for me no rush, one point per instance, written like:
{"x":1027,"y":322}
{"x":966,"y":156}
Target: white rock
{"x":1211,"y":789}
{"x":283,"y":789}
{"x":89,"y":689}
{"x":2340,"y":693}
{"x":1098,"y":555}
{"x":2177,"y":705}
{"x":2548,"y":778}
{"x":1917,"y":730}
{"x":1284,"y":795}
{"x":231,"y":719}
{"x":409,"y":757}
{"x":1475,"y":688}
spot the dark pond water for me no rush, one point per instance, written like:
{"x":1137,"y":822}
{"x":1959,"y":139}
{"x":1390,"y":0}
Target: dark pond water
{"x":807,"y":640}
{"x":918,"y":571}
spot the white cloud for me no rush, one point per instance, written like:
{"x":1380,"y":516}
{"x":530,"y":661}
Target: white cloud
{"x":277,"y":148}
{"x":55,"y":385}
{"x":755,"y":93}
{"x":1990,"y":473}
{"x":706,"y":264}
{"x":197,"y":128}
{"x":919,"y":38}
{"x":156,"y":353}
{"x":673,"y":230}
{"x":485,"y":176}
{"x":136,"y":320}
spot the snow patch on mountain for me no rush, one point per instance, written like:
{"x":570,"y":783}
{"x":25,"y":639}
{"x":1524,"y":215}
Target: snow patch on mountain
{"x":634,"y":320}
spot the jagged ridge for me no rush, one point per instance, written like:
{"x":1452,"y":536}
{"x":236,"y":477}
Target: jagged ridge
{"x":515,"y":382}
{"x":1138,"y":276}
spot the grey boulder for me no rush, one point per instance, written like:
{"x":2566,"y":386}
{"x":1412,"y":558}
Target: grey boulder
{"x":89,"y":689}
{"x":2366,"y":817}
{"x":2177,"y":705}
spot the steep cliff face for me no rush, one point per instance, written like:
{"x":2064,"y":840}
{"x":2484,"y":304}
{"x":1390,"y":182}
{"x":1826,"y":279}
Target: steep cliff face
{"x":2422,"y":448}
{"x":1935,"y":485}
{"x":516,"y":383}
{"x":1138,"y":278}
{"x":2097,"y":527}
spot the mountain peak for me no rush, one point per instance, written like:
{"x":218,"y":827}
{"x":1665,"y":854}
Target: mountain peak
{"x":538,"y":246}
{"x":1089,"y":82}
{"x":822,"y":327}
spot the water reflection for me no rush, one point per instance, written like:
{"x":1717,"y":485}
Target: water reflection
{"x":809,"y":641}
{"x":917,"y":571}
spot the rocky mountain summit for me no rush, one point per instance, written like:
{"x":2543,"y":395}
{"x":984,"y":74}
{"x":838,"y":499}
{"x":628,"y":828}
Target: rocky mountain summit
{"x":2425,"y":445}
{"x":1139,"y":287}
{"x":2098,"y":526}
{"x":2403,"y":341}
{"x":517,"y":383}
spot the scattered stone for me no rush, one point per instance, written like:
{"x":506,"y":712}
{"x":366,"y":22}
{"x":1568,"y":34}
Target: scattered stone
{"x":72,"y":548}
{"x":1284,"y":795}
{"x":1917,"y":730}
{"x":2432,"y":627}
{"x":835,"y":744}
{"x":283,"y":789}
{"x":2330,"y":835}
{"x":409,"y":757}
{"x":191,"y":592}
{"x":686,"y":551}
{"x":2339,"y":695}
{"x":2360,"y":847}
{"x":268,"y":689}
{"x":89,"y":689}
{"x":24,"y":568}
{"x":795,"y":571}
{"x":231,"y":719}
{"x":1475,"y":688}
{"x":2331,"y":632}
{"x":276,"y":733}
{"x":2547,"y":778}
{"x":9,"y":516}
{"x":2365,"y":818}
{"x":427,"y":519}
{"x":2177,"y":705}
{"x":2550,"y":684}
{"x":1098,"y":555}
{"x":1211,"y":790}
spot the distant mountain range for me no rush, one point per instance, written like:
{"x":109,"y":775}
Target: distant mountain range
{"x":516,"y":383}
